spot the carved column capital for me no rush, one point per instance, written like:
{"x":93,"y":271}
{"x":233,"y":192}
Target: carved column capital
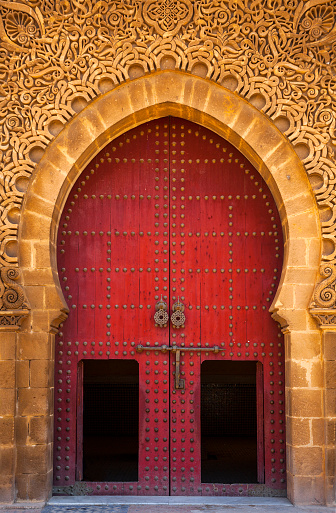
{"x":14,"y":306}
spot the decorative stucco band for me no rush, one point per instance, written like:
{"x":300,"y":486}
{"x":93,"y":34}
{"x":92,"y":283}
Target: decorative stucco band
{"x":56,"y":57}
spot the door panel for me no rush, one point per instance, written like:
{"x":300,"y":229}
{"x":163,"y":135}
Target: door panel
{"x":170,"y":209}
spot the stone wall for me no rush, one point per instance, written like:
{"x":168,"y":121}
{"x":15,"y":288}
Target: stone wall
{"x":261,"y":78}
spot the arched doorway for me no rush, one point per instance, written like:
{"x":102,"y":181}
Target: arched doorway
{"x":170,"y":209}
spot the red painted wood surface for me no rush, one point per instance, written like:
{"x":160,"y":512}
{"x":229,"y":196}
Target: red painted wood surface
{"x":170,"y":208}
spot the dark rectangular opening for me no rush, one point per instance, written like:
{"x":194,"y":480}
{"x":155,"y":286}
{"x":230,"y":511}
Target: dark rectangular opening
{"x":229,"y":441}
{"x":110,"y":420}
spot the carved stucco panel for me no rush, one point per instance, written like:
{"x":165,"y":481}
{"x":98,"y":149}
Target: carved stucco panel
{"x":57,"y":55}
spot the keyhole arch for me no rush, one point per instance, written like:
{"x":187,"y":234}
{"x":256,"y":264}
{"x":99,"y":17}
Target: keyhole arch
{"x":211,"y":105}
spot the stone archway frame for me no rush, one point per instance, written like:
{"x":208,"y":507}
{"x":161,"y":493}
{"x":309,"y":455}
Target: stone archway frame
{"x":203,"y":102}
{"x":211,"y":105}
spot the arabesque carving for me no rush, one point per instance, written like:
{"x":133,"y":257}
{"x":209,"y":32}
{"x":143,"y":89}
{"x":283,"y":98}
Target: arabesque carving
{"x":13,"y":305}
{"x":57,"y":55}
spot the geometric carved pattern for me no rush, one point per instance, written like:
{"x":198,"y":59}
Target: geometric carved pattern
{"x":55,"y":57}
{"x":167,"y":16}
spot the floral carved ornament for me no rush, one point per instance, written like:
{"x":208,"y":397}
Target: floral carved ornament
{"x":58,"y":55}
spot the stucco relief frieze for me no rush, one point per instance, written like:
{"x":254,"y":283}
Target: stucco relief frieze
{"x":57,"y":55}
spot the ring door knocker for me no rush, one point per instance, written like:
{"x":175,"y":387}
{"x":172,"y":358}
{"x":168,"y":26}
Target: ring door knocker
{"x":178,"y":317}
{"x":161,"y":316}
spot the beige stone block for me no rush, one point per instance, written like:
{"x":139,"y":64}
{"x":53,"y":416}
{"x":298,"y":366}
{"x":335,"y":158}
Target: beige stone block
{"x":38,"y":226}
{"x":298,"y":253}
{"x":40,"y":486}
{"x":6,"y":430}
{"x":82,"y":134}
{"x":41,"y":254}
{"x":113,"y":110}
{"x":314,"y":252}
{"x":286,"y":296}
{"x":7,"y":401}
{"x":330,"y":491}
{"x":52,"y":297}
{"x":39,"y":205}
{"x":270,"y":145}
{"x":26,"y":324}
{"x":289,"y":165}
{"x":297,"y":374}
{"x":21,"y":485}
{"x":7,"y":345}
{"x":34,"y":459}
{"x":7,"y":489}
{"x":298,"y":431}
{"x":330,"y":425}
{"x":25,"y":253}
{"x":316,"y":374}
{"x":305,"y":490}
{"x":139,"y":99}
{"x":296,"y":319}
{"x":40,"y":321}
{"x":303,"y":345}
{"x":35,"y":295}
{"x":166,"y":91}
{"x":41,"y":373}
{"x":34,"y":346}
{"x":304,"y":276}
{"x":303,"y":295}
{"x":306,"y":461}
{"x":22,"y":374}
{"x":329,"y":345}
{"x":38,"y":277}
{"x":305,"y":403}
{"x":7,"y":460}
{"x":330,"y":456}
{"x":330,"y":373}
{"x":298,"y":204}
{"x":48,"y":181}
{"x":7,"y":374}
{"x":318,"y":431}
{"x":34,"y":401}
{"x":304,"y":225}
{"x":312,"y":323}
{"x":41,"y":430}
{"x":21,"y":430}
{"x":52,"y":170}
{"x":236,"y":115}
{"x":330,"y":402}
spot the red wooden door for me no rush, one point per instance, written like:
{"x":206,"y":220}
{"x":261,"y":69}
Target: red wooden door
{"x":170,"y":209}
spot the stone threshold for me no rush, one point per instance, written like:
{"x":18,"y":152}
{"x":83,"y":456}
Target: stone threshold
{"x":108,"y":500}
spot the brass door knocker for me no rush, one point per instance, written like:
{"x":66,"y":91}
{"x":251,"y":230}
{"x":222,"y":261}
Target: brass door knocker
{"x":178,"y":317}
{"x":161,"y":316}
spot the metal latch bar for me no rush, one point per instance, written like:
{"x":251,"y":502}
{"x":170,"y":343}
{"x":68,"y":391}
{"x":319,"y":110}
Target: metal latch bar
{"x":179,"y":383}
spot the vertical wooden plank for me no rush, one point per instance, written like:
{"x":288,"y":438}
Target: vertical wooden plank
{"x":80,"y":406}
{"x":260,"y":422}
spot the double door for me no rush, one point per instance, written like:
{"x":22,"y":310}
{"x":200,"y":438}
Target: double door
{"x":169,"y":256}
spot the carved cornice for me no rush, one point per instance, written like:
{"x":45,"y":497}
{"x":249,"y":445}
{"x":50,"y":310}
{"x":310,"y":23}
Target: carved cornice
{"x":13,"y":304}
{"x":325,"y":318}
{"x":55,"y":57}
